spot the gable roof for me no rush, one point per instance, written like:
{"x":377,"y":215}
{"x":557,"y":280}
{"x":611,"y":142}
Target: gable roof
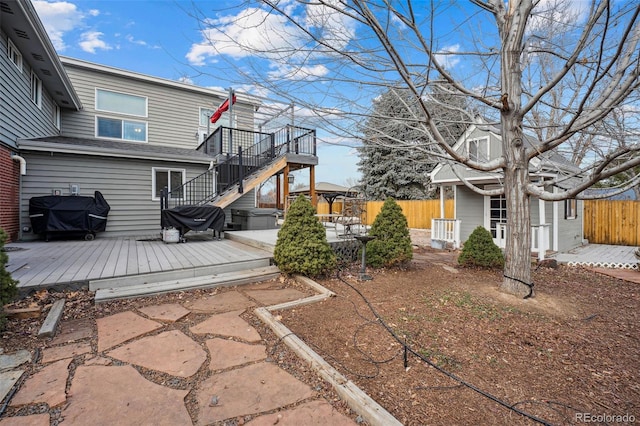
{"x":549,"y":162}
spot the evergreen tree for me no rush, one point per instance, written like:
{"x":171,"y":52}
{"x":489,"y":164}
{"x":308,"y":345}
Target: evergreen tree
{"x":392,"y":245}
{"x":393,"y":159}
{"x":302,"y":246}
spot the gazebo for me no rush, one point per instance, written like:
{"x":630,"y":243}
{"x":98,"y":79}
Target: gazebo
{"x":328,"y":191}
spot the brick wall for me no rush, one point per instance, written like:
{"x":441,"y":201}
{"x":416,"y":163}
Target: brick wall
{"x":9,"y":194}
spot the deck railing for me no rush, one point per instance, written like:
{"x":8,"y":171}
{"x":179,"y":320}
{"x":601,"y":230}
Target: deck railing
{"x":447,"y":230}
{"x":253,"y":151}
{"x":539,"y":238}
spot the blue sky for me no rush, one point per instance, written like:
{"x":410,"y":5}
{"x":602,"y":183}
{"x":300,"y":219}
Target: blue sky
{"x":161,"y":39}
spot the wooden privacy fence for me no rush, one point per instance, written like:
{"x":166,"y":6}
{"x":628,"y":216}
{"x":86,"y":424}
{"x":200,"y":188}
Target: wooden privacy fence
{"x":418,"y":212}
{"x":612,"y":222}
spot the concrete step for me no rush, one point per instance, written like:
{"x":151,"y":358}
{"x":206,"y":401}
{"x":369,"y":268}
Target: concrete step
{"x":206,"y":281}
{"x":177,"y":274}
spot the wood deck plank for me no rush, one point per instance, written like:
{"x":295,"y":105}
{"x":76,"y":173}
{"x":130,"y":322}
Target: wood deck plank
{"x":111,"y":262}
{"x":96,"y":262}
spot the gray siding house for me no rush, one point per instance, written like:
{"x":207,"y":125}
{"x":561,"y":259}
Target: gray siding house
{"x":82,"y":127}
{"x":134,"y":135}
{"x":559,"y":223}
{"x":35,"y":91}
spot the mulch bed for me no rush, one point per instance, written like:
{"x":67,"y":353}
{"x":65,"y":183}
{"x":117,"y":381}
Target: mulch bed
{"x":572,"y":349}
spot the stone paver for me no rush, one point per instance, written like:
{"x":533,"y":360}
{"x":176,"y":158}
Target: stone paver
{"x":9,"y":361}
{"x":314,"y":413}
{"x":7,"y":380}
{"x":66,"y":351}
{"x":228,"y":353}
{"x":122,"y":397}
{"x":273,"y":297}
{"x":119,"y":328}
{"x":171,"y":352}
{"x":248,"y":390}
{"x":33,"y":420}
{"x":168,"y":312}
{"x":47,"y":385}
{"x":224,"y":302}
{"x":97,"y":360}
{"x":73,"y":330}
{"x":227,"y":324}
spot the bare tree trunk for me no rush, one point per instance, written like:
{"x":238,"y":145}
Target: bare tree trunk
{"x":517,"y":272}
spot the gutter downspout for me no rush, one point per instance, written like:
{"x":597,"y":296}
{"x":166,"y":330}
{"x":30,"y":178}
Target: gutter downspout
{"x":23,"y":171}
{"x":23,"y":163}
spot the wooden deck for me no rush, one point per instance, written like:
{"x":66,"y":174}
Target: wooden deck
{"x":43,"y":264}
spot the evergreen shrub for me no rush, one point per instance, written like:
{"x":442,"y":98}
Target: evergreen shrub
{"x":8,"y":286}
{"x":392,"y":245}
{"x":480,"y":251}
{"x":302,"y":246}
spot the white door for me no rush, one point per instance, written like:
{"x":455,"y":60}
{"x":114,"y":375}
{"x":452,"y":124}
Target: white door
{"x":497,"y":215}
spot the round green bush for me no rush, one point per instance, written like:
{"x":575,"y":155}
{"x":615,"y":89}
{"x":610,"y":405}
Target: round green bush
{"x":480,"y":251}
{"x":302,"y":246}
{"x":392,"y":245}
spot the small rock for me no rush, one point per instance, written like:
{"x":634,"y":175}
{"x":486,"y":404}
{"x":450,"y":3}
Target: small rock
{"x":213,"y":401}
{"x":548,"y":263}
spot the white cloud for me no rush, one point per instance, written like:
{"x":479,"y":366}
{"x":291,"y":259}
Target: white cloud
{"x":58,"y":18}
{"x":446,"y":57}
{"x":91,"y":41}
{"x":557,"y":13}
{"x":258,"y":33}
{"x":298,"y":72}
{"x":251,"y":32}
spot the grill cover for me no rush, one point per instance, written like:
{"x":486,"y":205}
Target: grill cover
{"x":54,"y":213}
{"x":193,"y":218}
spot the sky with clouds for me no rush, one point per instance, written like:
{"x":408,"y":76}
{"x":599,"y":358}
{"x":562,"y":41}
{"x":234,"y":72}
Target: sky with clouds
{"x":199,"y":42}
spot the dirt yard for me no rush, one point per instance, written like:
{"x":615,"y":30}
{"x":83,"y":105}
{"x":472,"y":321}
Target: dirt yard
{"x":568,"y":355}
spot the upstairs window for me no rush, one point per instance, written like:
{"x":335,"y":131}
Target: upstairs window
{"x":478,"y":149}
{"x":121,"y":103}
{"x":114,"y":127}
{"x":56,"y":116}
{"x":36,"y":90}
{"x":14,"y":54}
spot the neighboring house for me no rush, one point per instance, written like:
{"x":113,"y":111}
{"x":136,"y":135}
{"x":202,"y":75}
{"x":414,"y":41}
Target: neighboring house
{"x":555,"y":225}
{"x":129,"y":135}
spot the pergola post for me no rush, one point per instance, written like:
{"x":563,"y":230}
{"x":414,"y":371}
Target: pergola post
{"x":312,"y":186}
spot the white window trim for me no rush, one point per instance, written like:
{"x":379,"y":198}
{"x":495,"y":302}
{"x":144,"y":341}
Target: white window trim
{"x":38,"y":94}
{"x":483,"y":139}
{"x":154,"y":170}
{"x":146,"y":124}
{"x":11,"y":50}
{"x":146,"y":103}
{"x":574,"y":213}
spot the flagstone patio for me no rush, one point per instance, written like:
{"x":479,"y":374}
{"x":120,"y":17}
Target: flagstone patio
{"x":145,"y":364}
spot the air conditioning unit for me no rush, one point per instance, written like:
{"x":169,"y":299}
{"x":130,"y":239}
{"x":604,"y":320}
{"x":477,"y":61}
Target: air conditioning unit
{"x":201,"y":135}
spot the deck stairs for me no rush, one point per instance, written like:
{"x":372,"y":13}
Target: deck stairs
{"x":224,"y":275}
